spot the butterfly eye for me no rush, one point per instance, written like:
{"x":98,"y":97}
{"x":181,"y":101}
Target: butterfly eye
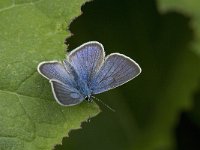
{"x":86,"y":98}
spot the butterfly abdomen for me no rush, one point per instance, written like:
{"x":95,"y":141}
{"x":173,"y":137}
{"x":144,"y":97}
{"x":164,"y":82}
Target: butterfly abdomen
{"x":83,"y":88}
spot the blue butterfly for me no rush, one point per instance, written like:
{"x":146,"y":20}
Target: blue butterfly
{"x":86,"y":72}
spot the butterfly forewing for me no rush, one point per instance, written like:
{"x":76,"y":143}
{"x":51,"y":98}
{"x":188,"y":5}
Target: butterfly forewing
{"x":56,"y":70}
{"x":116,"y":70}
{"x":87,"y":60}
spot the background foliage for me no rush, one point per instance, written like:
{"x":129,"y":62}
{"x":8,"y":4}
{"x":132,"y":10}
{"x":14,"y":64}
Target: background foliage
{"x":159,"y":110}
{"x":150,"y":108}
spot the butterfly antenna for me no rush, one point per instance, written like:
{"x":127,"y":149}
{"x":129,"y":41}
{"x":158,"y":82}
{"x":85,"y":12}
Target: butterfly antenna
{"x":103,"y":103}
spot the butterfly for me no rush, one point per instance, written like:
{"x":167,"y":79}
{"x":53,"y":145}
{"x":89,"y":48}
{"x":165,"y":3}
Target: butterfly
{"x":86,"y":72}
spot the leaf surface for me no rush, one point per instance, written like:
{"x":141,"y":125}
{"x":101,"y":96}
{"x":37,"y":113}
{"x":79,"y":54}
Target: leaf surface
{"x":32,"y":31}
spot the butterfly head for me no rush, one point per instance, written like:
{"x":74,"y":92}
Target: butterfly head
{"x":89,"y":98}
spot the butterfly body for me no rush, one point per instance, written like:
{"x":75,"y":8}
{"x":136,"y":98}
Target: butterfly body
{"x":81,"y":83}
{"x":84,"y":89}
{"x":87,"y":72}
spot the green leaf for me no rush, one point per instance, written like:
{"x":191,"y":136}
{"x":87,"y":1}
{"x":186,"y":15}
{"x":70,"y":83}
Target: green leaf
{"x":32,"y":31}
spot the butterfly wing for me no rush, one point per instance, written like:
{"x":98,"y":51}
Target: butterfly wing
{"x":87,"y":60}
{"x":56,"y":70}
{"x":62,"y":78}
{"x":116,"y":70}
{"x":65,"y":95}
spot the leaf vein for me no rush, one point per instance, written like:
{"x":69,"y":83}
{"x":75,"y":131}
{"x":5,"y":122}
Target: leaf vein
{"x":17,"y":5}
{"x":24,"y":80}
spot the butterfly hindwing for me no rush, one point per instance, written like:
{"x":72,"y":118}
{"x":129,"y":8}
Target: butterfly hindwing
{"x":65,"y":95}
{"x":116,"y":70}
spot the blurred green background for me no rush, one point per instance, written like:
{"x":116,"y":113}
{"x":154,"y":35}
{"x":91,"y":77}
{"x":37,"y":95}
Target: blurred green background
{"x":158,"y":110}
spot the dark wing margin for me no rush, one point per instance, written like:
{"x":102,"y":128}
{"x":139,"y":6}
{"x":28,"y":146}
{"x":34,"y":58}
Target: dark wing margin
{"x":116,"y":70}
{"x":87,"y":59}
{"x":65,"y":95}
